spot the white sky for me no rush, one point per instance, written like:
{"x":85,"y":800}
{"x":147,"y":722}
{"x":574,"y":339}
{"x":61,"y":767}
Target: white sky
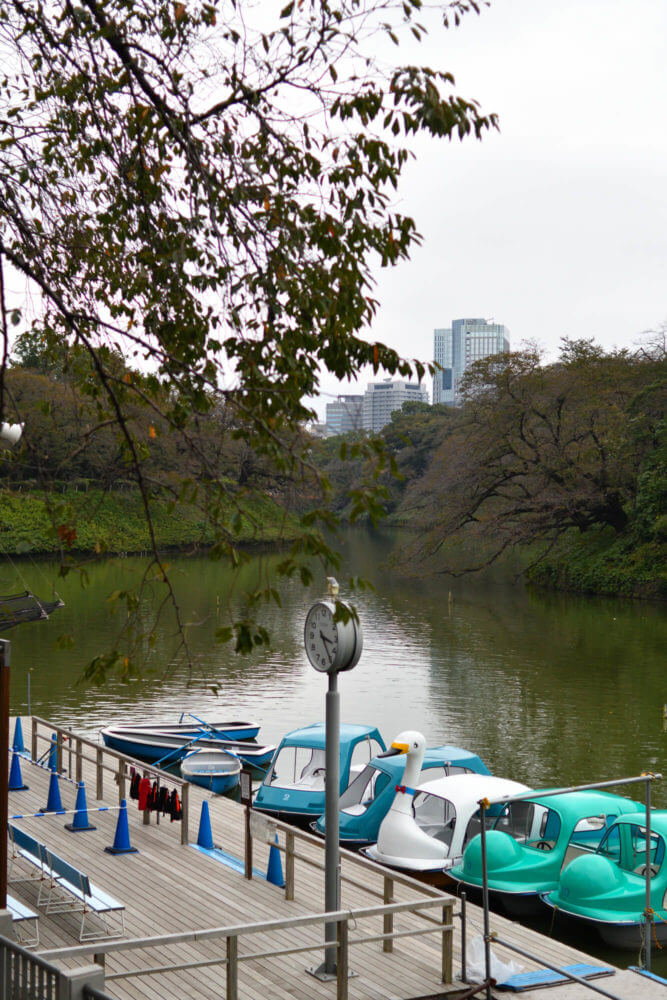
{"x":556,"y":225}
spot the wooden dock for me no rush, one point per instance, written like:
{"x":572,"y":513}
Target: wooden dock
{"x":170,"y":888}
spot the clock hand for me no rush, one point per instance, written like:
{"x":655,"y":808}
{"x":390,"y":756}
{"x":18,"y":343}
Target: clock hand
{"x":324,"y":638}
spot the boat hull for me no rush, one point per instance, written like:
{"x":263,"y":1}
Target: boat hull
{"x":216,"y":729}
{"x":625,"y":935}
{"x":518,"y":905}
{"x":215,"y":770}
{"x":170,"y":749}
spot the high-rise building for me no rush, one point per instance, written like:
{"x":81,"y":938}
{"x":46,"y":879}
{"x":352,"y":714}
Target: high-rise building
{"x":382,"y":398}
{"x":345,"y":414}
{"x":457,"y":347}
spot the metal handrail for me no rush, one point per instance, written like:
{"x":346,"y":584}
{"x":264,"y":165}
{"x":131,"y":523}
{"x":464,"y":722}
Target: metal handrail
{"x":120,"y":772}
{"x":231,"y":960}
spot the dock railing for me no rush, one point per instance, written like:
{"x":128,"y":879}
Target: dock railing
{"x":72,"y":750}
{"x":233,"y":958}
{"x":26,"y":976}
{"x":265,"y":828}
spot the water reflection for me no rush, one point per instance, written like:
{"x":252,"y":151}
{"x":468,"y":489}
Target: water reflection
{"x":547,"y":689}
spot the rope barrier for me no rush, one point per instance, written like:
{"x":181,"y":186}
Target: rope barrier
{"x":63,"y":812}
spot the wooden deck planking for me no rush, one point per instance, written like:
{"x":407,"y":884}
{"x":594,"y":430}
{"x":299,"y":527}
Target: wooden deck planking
{"x":169,"y":888}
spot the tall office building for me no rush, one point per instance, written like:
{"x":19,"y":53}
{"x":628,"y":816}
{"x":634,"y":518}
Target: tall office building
{"x":457,"y":347}
{"x":344,"y":415}
{"x":382,"y":398}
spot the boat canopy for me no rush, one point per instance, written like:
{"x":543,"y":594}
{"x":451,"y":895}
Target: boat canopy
{"x":583,"y":815}
{"x":314,"y":736}
{"x":625,"y":841}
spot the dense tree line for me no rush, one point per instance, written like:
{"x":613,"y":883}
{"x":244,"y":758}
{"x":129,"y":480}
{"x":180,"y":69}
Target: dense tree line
{"x":536,"y":453}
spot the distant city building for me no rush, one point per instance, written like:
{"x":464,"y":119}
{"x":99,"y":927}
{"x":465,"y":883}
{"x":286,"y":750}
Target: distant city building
{"x":457,"y":347}
{"x":344,"y":415}
{"x":382,"y":398}
{"x":318,"y":430}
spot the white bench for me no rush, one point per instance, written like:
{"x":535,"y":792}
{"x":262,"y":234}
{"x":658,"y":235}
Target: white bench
{"x":69,"y":890}
{"x":63,"y":888}
{"x":24,"y":848}
{"x":23,"y":916}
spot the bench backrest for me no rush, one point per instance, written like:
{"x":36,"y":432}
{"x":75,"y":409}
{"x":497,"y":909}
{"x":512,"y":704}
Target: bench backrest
{"x":24,"y":840}
{"x":68,"y":872}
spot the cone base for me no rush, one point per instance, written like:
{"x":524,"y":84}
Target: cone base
{"x":122,"y":850}
{"x":79,"y":829}
{"x":18,"y":788}
{"x":56,"y":812}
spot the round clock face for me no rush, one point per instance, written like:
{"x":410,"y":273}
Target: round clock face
{"x":331,"y":646}
{"x":320,"y":636}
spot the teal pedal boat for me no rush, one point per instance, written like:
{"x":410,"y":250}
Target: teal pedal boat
{"x":607,"y":890}
{"x":532,"y":840}
{"x":367,"y":800}
{"x":293,"y":788}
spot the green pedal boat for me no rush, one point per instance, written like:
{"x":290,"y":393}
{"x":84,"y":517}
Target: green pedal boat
{"x":607,"y":889}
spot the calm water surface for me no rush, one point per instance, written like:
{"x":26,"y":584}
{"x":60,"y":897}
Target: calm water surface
{"x":547,"y":689}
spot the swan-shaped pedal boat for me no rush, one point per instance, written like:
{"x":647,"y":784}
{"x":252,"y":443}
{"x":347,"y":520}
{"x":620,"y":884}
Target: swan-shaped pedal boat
{"x":429,"y":824}
{"x":367,"y":800}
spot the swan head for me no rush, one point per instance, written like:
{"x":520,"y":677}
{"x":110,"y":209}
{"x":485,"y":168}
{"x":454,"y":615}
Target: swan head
{"x":408,"y":742}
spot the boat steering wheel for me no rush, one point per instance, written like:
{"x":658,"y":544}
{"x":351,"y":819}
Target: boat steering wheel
{"x":541,"y":845}
{"x":641,"y":870}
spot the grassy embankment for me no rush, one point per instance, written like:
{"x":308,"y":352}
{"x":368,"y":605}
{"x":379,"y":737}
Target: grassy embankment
{"x":115,"y":522}
{"x":600,"y":562}
{"x":594,"y":562}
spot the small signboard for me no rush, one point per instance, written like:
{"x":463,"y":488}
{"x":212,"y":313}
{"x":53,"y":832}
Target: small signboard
{"x":246,"y":788}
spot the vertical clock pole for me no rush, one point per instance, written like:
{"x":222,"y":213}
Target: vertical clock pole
{"x":331,"y":646}
{"x":331,"y":822}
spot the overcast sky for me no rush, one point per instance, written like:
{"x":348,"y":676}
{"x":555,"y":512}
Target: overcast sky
{"x":557,"y":225}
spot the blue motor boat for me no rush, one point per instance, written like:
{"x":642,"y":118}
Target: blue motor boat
{"x":367,"y":800}
{"x":168,"y":747}
{"x":216,"y":770}
{"x":293,"y":789}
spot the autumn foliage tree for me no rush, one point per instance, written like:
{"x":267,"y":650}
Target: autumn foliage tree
{"x":205,"y":188}
{"x":537,"y":451}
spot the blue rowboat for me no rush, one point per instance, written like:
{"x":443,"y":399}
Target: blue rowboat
{"x":158,"y":747}
{"x":216,"y":770}
{"x":191,"y":725}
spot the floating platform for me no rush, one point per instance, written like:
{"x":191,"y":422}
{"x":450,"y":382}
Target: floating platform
{"x":171,"y":888}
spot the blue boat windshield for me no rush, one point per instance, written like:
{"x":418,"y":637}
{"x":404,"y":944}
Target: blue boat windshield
{"x":297,"y":767}
{"x":363,"y":791}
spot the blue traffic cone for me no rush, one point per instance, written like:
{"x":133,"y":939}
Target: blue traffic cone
{"x":54,"y":803}
{"x":121,"y":843}
{"x":18,"y":736}
{"x":274,"y":872}
{"x":80,"y":821}
{"x":15,"y":777}
{"x":205,"y":835}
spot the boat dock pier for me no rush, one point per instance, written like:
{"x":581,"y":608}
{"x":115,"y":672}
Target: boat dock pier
{"x":196,"y":928}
